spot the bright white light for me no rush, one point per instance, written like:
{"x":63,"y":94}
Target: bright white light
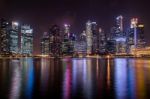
{"x":15,"y":23}
{"x":66,"y":25}
{"x":29,"y":31}
{"x":121,"y":39}
{"x":93,"y":22}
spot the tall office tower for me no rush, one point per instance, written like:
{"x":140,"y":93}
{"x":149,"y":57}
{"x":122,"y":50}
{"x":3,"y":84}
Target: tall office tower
{"x":45,"y":44}
{"x":132,"y":35}
{"x":134,"y":23}
{"x":102,"y":41}
{"x":80,"y":45}
{"x":55,"y":41}
{"x":110,"y":46}
{"x":4,"y":37}
{"x":119,"y":36}
{"x":141,"y":43}
{"x":26,"y":40}
{"x":83,"y":36}
{"x":119,"y":23}
{"x":67,"y":29}
{"x":14,"y":38}
{"x":9,"y":37}
{"x":66,"y":40}
{"x":89,"y":36}
{"x":95,"y":49}
{"x":117,"y":30}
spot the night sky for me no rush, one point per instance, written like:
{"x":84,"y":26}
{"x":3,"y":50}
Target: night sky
{"x":41,"y":14}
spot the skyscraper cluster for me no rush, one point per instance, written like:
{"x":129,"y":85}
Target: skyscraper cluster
{"x":58,"y":41}
{"x":93,"y":40}
{"x":15,"y":39}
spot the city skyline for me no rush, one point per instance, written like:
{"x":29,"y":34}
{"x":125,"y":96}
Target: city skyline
{"x":41,"y":14}
{"x":61,"y":39}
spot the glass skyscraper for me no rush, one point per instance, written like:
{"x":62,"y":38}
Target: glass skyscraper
{"x":26,"y":40}
{"x":9,"y":33}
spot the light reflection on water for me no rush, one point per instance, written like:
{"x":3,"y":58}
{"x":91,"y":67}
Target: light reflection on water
{"x":75,"y":78}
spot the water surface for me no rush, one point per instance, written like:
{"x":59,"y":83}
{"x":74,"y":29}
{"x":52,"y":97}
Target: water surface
{"x":74,"y":78}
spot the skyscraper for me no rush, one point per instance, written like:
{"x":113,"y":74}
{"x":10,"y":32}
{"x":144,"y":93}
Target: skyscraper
{"x":9,"y":32}
{"x":119,"y":36}
{"x":89,"y":36}
{"x":55,"y":41}
{"x":119,"y":23}
{"x":135,"y":35}
{"x":45,"y":44}
{"x":80,"y":45}
{"x":95,"y":38}
{"x":14,"y":38}
{"x":26,"y":40}
{"x":141,"y":38}
{"x":102,"y":41}
{"x":134,"y":23}
{"x":4,"y":37}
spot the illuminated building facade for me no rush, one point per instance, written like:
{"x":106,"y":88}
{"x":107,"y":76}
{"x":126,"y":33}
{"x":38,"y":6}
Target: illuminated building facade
{"x":9,"y":32}
{"x":119,"y":36}
{"x":141,"y":43}
{"x":26,"y":40}
{"x":95,"y":38}
{"x":14,"y":38}
{"x":141,"y":51}
{"x":119,"y":25}
{"x":110,"y":46}
{"x":81,"y":44}
{"x":91,"y":37}
{"x":135,"y":35}
{"x":55,"y":41}
{"x":102,"y":42}
{"x":45,"y":44}
{"x":4,"y":37}
{"x":68,"y":41}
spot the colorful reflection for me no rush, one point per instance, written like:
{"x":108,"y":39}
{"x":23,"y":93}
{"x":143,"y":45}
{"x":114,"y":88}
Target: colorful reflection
{"x":16,"y":80}
{"x":108,"y":73}
{"x":140,"y":80}
{"x":27,"y":76}
{"x":75,"y":78}
{"x":121,"y":78}
{"x":82,"y":77}
{"x":44,"y":74}
{"x":30,"y":78}
{"x":67,"y":81}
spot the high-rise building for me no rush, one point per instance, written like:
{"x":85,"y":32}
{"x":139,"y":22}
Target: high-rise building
{"x":81,"y":44}
{"x":118,"y":35}
{"x":110,"y":46}
{"x":55,"y":41}
{"x":141,"y":43}
{"x":119,"y":23}
{"x":26,"y":40}
{"x":102,"y":41}
{"x":95,"y":38}
{"x":91,"y":37}
{"x":134,"y":23}
{"x":45,"y":44}
{"x":135,"y":35}
{"x":4,"y":37}
{"x":9,"y":32}
{"x":68,"y":41}
{"x":14,"y":38}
